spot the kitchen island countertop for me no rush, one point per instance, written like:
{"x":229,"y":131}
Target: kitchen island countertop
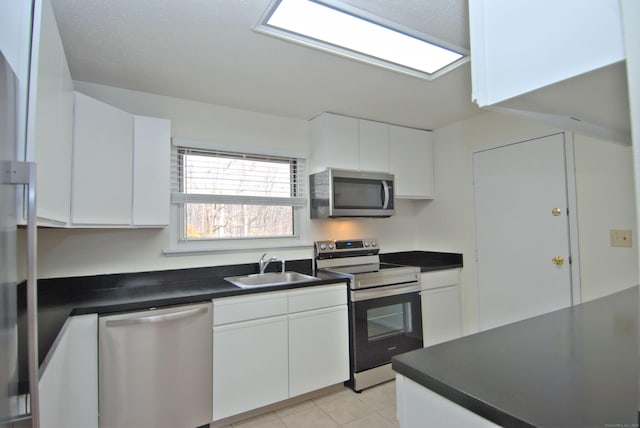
{"x":575,"y":367}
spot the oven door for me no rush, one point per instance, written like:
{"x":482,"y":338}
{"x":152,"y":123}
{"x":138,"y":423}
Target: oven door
{"x":385,"y":321}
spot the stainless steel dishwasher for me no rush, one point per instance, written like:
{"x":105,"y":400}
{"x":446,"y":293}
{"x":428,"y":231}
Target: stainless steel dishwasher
{"x":155,"y":368}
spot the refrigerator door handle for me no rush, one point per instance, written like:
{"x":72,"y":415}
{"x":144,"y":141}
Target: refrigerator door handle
{"x":24,"y":173}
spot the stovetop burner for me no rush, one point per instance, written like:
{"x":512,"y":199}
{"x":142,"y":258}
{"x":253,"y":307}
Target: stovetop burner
{"x":358,"y":261}
{"x":363,"y":268}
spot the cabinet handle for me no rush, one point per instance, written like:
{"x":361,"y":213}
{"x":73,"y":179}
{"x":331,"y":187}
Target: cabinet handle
{"x":156,"y":318}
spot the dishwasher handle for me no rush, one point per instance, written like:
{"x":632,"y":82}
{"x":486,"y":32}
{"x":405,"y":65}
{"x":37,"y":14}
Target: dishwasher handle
{"x":156,"y":318}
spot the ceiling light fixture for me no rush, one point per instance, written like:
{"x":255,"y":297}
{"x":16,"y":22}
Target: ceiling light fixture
{"x":339,"y":28}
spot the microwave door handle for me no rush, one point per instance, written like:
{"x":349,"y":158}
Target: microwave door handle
{"x":385,"y":199}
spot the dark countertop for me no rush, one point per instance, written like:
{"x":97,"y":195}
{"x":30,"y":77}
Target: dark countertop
{"x":59,"y":298}
{"x":426,"y":260}
{"x":576,"y":367}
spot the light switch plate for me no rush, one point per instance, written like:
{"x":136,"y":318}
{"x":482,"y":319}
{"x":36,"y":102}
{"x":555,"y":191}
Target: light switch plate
{"x":620,"y":237}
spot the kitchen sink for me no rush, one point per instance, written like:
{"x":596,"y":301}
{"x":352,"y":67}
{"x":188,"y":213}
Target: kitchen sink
{"x":269,"y":279}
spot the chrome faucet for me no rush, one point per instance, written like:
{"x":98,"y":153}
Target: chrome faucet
{"x":262,"y":263}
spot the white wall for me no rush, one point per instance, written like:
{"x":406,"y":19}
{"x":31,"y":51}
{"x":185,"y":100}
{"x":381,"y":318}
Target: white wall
{"x":605,"y":193}
{"x":447,"y":223}
{"x":631,"y":25}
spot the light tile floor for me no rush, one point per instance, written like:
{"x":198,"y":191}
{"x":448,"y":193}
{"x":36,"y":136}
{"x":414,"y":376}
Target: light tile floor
{"x":372,"y":408}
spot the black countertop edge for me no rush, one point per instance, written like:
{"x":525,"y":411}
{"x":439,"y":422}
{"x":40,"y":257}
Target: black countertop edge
{"x":427,"y":261}
{"x":469,"y":402}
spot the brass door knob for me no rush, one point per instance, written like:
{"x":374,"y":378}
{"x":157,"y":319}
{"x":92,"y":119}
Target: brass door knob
{"x":558,"y":260}
{"x":556,"y":212}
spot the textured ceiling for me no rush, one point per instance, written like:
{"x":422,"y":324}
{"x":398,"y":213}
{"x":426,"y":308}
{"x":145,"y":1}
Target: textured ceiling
{"x":206,"y":50}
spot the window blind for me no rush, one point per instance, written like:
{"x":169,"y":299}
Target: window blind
{"x":220,"y":177}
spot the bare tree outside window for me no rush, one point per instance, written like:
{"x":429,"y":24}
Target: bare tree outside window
{"x":246,"y":196}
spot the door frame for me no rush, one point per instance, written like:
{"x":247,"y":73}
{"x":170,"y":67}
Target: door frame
{"x":572,"y":205}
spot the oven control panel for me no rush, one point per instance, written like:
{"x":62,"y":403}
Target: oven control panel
{"x":347,"y":246}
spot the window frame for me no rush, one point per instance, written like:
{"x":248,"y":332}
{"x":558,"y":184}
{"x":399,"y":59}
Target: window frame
{"x":179,"y":246}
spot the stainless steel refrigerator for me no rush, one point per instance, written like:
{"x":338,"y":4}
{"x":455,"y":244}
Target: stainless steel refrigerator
{"x":16,"y":178}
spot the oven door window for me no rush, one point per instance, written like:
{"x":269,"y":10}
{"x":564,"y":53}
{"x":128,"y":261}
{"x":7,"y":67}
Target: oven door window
{"x":388,"y":321}
{"x":384,"y":327}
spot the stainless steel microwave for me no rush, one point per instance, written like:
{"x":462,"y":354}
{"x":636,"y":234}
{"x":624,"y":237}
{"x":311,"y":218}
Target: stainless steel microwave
{"x":346,"y":193}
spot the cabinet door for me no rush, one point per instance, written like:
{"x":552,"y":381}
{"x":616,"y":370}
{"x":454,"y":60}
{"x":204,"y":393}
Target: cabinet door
{"x":50,"y":119}
{"x":318,"y":349}
{"x":101,"y":192}
{"x":374,"y":146}
{"x":334,"y":142}
{"x":441,"y":314}
{"x":151,"y":166}
{"x":249,"y":365}
{"x":411,"y":161}
{"x":69,"y":383}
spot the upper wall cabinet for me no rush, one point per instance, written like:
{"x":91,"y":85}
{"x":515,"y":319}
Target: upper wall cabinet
{"x":411,"y":162}
{"x":49,"y":118}
{"x":349,"y":143}
{"x":334,"y":142}
{"x":557,"y":62}
{"x":102,"y":174}
{"x":151,"y":172}
{"x":120,"y":173}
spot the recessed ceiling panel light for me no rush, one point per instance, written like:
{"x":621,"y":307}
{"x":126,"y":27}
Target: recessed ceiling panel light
{"x":350,"y":32}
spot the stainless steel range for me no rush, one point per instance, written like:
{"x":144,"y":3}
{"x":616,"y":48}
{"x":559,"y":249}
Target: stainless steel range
{"x":384,"y":306}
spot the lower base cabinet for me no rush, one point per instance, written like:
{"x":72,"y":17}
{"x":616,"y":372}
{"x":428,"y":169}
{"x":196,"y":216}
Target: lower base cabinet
{"x":441,"y":306}
{"x":68,"y":384}
{"x":318,"y":344}
{"x":420,"y":407}
{"x":273,"y":346}
{"x":254,"y":351}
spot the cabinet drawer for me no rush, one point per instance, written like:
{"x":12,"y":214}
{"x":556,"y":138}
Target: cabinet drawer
{"x":236,"y":309}
{"x":317,"y":297}
{"x":442,"y":278}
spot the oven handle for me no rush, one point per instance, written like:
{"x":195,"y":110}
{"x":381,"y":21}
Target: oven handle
{"x":386,"y":291}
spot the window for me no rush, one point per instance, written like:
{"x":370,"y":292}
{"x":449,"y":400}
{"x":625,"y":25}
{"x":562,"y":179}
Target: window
{"x":223,"y":195}
{"x":345,"y":30}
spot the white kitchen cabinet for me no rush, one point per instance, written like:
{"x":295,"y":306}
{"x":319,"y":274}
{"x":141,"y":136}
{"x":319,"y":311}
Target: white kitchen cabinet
{"x":441,"y":306}
{"x":272,"y":346}
{"x":151,"y":171}
{"x":318,"y":340}
{"x":411,"y":162}
{"x":513,"y":57}
{"x":69,"y":377}
{"x":571,"y":75}
{"x":358,"y":144}
{"x":121,"y":166}
{"x":373,"y":146}
{"x":250,"y":353}
{"x":334,"y":142}
{"x":420,"y":407}
{"x":50,"y":118}
{"x":249,"y":365}
{"x":101,"y":191}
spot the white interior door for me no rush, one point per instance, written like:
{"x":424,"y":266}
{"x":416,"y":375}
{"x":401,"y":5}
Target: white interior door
{"x":522,"y":230}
